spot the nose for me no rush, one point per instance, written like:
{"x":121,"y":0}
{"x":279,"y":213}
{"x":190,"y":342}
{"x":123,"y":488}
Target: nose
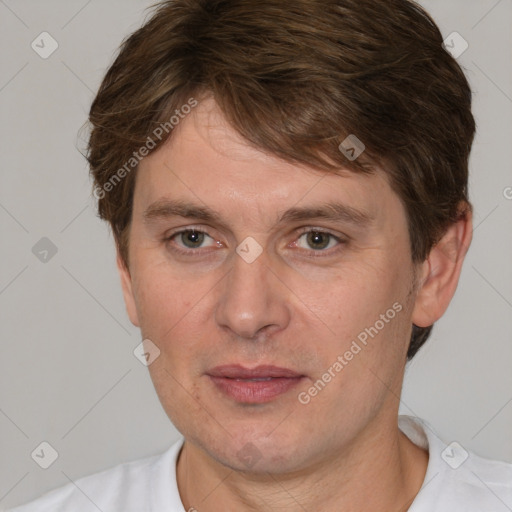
{"x":253,"y":299}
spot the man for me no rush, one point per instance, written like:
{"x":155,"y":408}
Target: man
{"x":287,"y":187}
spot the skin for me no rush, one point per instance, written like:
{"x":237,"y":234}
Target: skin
{"x":295,"y":306}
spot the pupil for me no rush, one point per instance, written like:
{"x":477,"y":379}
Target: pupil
{"x":321,"y":240}
{"x":193,"y":238}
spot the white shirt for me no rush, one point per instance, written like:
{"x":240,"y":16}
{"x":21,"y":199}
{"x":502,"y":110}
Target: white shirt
{"x":455,"y":481}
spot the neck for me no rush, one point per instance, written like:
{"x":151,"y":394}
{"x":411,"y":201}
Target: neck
{"x":381,"y":470}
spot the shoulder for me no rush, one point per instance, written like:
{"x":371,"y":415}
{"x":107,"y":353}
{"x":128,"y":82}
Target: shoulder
{"x":123,"y":488}
{"x":457,"y":480}
{"x":479,"y":483}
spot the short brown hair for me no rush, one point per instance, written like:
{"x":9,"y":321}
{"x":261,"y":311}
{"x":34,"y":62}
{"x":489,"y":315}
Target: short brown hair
{"x":295,"y":79}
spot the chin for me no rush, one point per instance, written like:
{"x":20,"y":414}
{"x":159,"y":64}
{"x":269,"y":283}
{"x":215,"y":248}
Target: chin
{"x":256,"y":452}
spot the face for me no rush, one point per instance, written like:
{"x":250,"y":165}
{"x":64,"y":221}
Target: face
{"x":279,"y":297}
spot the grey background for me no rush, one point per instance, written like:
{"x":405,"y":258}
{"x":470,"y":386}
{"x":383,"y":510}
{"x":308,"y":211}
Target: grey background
{"x":68,"y":375}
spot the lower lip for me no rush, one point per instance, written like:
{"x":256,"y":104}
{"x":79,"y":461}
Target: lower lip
{"x":255,"y":392}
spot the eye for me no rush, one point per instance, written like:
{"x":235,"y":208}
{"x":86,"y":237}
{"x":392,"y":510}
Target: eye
{"x":191,"y":239}
{"x":317,"y":240}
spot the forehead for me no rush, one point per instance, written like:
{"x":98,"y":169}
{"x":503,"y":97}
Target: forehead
{"x":208,"y":162}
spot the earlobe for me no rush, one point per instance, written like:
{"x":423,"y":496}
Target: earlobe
{"x":441,"y":271}
{"x":126,"y":285}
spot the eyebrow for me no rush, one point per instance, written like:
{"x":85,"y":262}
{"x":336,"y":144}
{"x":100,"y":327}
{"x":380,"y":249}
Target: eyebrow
{"x":167,"y":208}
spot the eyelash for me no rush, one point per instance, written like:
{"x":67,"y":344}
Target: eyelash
{"x":315,"y":254}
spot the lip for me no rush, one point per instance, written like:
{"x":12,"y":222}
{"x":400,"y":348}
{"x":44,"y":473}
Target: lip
{"x":236,"y":371}
{"x":235,"y":382}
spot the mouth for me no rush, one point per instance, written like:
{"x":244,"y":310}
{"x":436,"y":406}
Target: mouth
{"x":254,"y":385}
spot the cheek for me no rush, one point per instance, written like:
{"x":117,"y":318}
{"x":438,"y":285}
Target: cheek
{"x":173,"y":309}
{"x":365,"y":311}
{"x":352,"y":299}
{"x":169,"y":307}
{"x":165,"y":298}
{"x":180,"y":397}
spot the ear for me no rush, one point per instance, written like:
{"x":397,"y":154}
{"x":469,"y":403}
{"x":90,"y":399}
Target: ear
{"x":440,"y":272}
{"x":126,"y":284}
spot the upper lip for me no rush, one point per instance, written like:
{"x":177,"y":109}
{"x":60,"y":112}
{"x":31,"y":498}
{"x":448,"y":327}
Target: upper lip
{"x":236,"y":371}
